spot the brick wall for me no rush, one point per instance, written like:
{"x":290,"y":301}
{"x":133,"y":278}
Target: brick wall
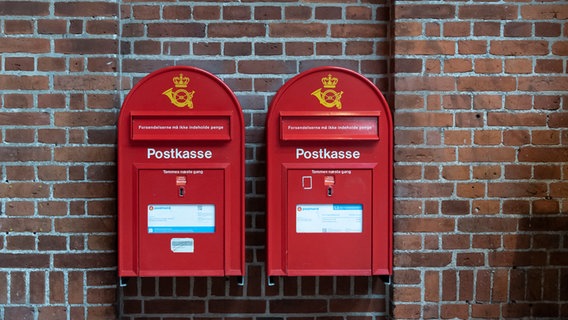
{"x":481,"y":150}
{"x":478,"y":89}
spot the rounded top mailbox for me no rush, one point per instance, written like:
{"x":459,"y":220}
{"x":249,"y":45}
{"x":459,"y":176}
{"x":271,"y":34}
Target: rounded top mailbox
{"x":329,"y":176}
{"x":181,"y":177}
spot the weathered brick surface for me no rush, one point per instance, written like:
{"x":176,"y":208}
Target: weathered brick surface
{"x":506,"y":201}
{"x":478,"y":91}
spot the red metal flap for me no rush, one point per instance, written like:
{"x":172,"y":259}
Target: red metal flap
{"x":336,"y":127}
{"x":149,"y":127}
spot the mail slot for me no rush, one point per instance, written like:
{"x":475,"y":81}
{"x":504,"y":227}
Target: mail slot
{"x":180,"y":177}
{"x":329,"y":176}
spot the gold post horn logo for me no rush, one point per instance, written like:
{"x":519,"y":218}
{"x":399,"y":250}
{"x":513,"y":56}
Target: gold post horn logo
{"x":329,"y":98}
{"x":180,"y":97}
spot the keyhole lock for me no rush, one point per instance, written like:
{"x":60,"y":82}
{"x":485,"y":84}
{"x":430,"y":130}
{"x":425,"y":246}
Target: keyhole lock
{"x":329,"y":191}
{"x":181,"y":191}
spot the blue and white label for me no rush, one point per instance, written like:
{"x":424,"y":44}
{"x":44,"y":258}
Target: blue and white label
{"x":329,"y":218}
{"x":181,"y":218}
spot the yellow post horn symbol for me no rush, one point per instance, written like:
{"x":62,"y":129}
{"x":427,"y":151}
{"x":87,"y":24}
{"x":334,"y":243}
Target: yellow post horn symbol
{"x":329,"y":98}
{"x":180,"y":97}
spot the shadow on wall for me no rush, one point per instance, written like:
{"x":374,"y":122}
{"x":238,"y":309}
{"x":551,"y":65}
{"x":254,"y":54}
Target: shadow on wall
{"x":218,"y":297}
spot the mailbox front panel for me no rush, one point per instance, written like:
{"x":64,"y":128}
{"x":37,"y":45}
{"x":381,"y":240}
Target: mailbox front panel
{"x":181,"y":228}
{"x":329,"y":176}
{"x":181,"y":177}
{"x":329,"y":221}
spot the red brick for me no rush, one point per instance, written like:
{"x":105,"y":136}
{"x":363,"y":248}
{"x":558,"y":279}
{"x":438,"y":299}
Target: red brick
{"x":24,"y":8}
{"x":267,"y":13}
{"x":486,"y":172}
{"x":456,"y":65}
{"x":487,"y":28}
{"x":83,"y":261}
{"x":486,"y":311}
{"x":298,"y":12}
{"x":452,"y":311}
{"x":407,"y":29}
{"x":176,"y":12}
{"x":516,"y":207}
{"x":328,"y":13}
{"x":86,"y":154}
{"x":424,"y":11}
{"x":20,"y":313}
{"x":542,"y":154}
{"x":487,"y":101}
{"x":548,"y":103}
{"x":14,"y":243}
{"x":425,"y":47}
{"x":472,"y":47}
{"x":10,"y":82}
{"x":86,"y":9}
{"x":517,"y":29}
{"x":547,"y":29}
{"x":102,"y":27}
{"x":77,"y":225}
{"x":358,"y":30}
{"x":487,"y":224}
{"x":486,"y":83}
{"x":544,"y":12}
{"x":329,"y":48}
{"x":236,"y":12}
{"x":254,"y":66}
{"x":560,"y":48}
{"x":424,"y":225}
{"x":18,"y":27}
{"x":84,"y":190}
{"x":94,"y":82}
{"x":513,"y":190}
{"x":86,"y":46}
{"x":488,"y":12}
{"x":470,"y":190}
{"x":455,"y":207}
{"x":422,"y":259}
{"x":358,"y":13}
{"x":518,"y":66}
{"x":543,"y":83}
{"x":425,"y":154}
{"x":488,"y":66}
{"x":457,"y":29}
{"x":194,"y":30}
{"x":297,"y":30}
{"x":407,"y":294}
{"x":207,"y":12}
{"x":487,"y":137}
{"x":3,"y":287}
{"x":52,"y":312}
{"x":487,"y":154}
{"x":486,"y":206}
{"x":407,"y":311}
{"x":455,"y":172}
{"x":519,"y":47}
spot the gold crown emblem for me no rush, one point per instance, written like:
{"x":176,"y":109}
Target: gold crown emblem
{"x":181,"y":81}
{"x":329,"y":81}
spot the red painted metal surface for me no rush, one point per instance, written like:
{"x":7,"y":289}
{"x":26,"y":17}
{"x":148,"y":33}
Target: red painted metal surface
{"x":329,"y":176}
{"x":180,"y":177}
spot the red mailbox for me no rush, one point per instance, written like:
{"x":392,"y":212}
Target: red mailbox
{"x":329,"y":182}
{"x":180,"y":177}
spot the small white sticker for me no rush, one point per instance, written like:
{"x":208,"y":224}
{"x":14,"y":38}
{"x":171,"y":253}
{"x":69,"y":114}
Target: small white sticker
{"x":182,"y":245}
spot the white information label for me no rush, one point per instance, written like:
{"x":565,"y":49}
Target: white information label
{"x":322,"y":218}
{"x":182,"y":245}
{"x":181,"y":218}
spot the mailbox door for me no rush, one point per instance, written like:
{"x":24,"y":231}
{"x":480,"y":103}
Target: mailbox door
{"x":329,"y":221}
{"x":181,"y":221}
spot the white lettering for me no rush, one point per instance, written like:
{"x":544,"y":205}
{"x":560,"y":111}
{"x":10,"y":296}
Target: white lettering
{"x":175,"y":153}
{"x":323,"y":154}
